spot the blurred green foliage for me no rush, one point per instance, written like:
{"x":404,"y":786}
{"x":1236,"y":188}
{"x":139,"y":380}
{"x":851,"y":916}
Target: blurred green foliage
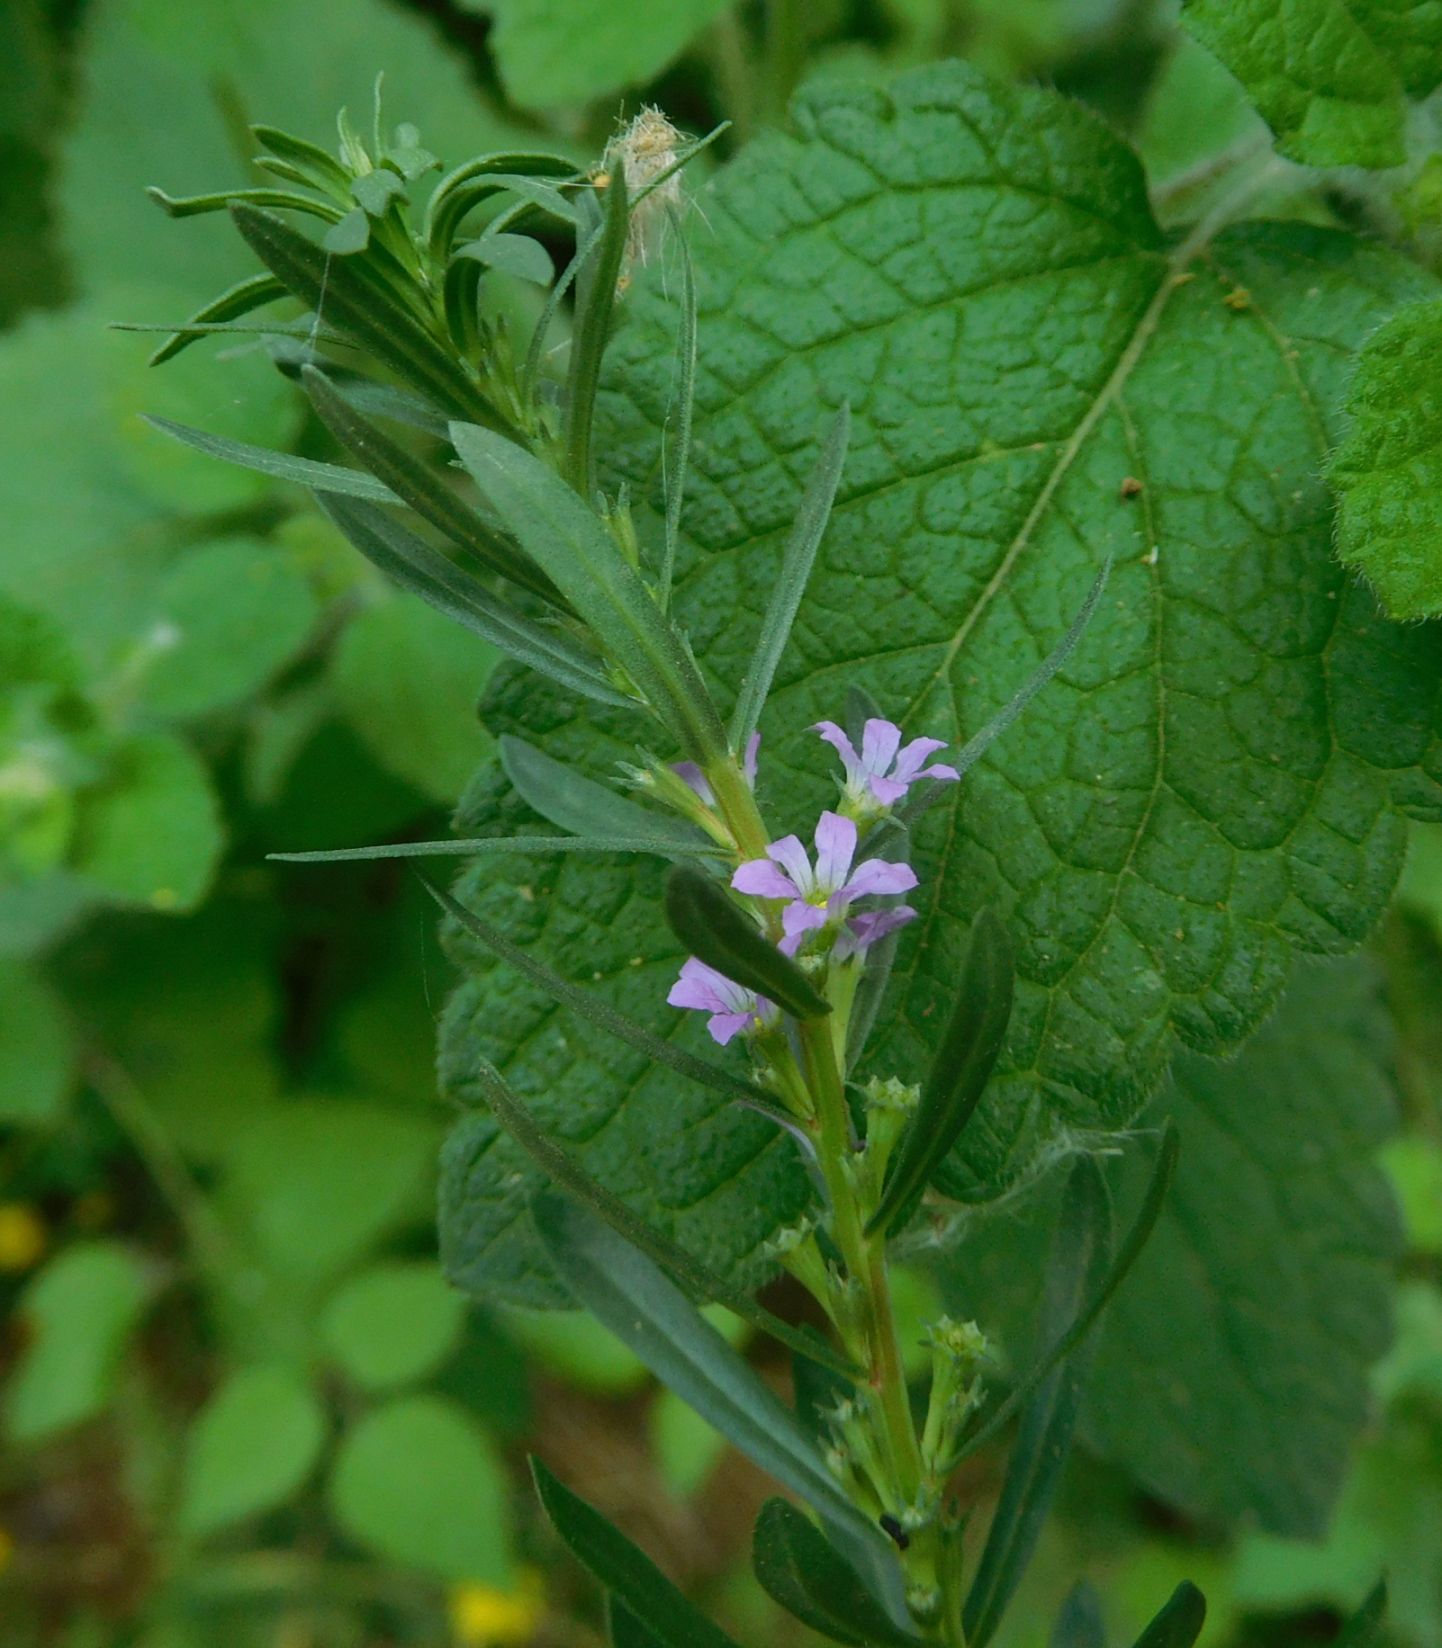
{"x":238,"y":1406}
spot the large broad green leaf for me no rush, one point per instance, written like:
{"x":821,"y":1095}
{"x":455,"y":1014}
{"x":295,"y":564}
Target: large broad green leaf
{"x":1388,"y":471}
{"x":1207,"y":786}
{"x":1263,"y":1296}
{"x":1331,"y":77}
{"x":554,"y":52}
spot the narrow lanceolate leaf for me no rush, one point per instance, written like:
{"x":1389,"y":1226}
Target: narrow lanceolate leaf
{"x":568,"y":542}
{"x":323,"y":171}
{"x":477,"y":180}
{"x":574,"y":802}
{"x":960,"y":1070}
{"x":1081,"y":1254}
{"x":677,"y":435}
{"x":423,"y":571}
{"x":595,"y":306}
{"x":196,"y":205}
{"x":624,"y":1569}
{"x":1064,"y":1344}
{"x":349,"y":296}
{"x":417,"y":485}
{"x":1180,"y":1623}
{"x":240,"y":299}
{"x":1387,"y":473}
{"x":795,"y":574}
{"x":622,"y":1288}
{"x":714,"y":928}
{"x":798,"y":1567}
{"x":1362,"y":1628}
{"x":479,"y":846}
{"x":625,"y":1630}
{"x":1079,"y":1624}
{"x":561,"y":1167}
{"x":590,"y":1006}
{"x":280,"y":466}
{"x":977,"y":745}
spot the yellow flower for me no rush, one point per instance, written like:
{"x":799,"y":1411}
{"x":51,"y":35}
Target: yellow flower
{"x":22,"y":1236}
{"x":484,"y":1617}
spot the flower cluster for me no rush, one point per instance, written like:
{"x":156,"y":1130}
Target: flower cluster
{"x":883,"y":772}
{"x":813,"y":896}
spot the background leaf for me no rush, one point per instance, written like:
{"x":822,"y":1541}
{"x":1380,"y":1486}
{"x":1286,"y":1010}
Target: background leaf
{"x":1388,"y":470}
{"x":227,"y":616}
{"x":543,"y":63}
{"x":78,"y":1314}
{"x":1263,"y":1296}
{"x":408,"y":680}
{"x":37,"y":1048}
{"x":250,"y":1448}
{"x":307,"y":1219}
{"x":151,"y":833}
{"x":392,"y":1324}
{"x":1331,"y":77}
{"x":418,"y":1482}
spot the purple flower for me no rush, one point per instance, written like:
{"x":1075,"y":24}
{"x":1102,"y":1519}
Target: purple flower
{"x":861,"y":932}
{"x":690,"y":774}
{"x":816,"y":896}
{"x":884,"y":771}
{"x":732,"y":1006}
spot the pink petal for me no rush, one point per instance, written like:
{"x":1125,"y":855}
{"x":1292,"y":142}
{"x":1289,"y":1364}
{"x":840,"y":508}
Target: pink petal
{"x":841,"y":744}
{"x":800,"y":918}
{"x":879,"y":744}
{"x":835,"y":849}
{"x":725,"y":1026}
{"x":792,"y":856}
{"x":761,"y":878}
{"x":864,"y":930}
{"x":692,"y":776}
{"x":888,"y":791}
{"x":748,"y":761}
{"x":908,"y":762}
{"x":701,"y":987}
{"x":941,"y":772}
{"x":875,"y":924}
{"x":875,"y":875}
